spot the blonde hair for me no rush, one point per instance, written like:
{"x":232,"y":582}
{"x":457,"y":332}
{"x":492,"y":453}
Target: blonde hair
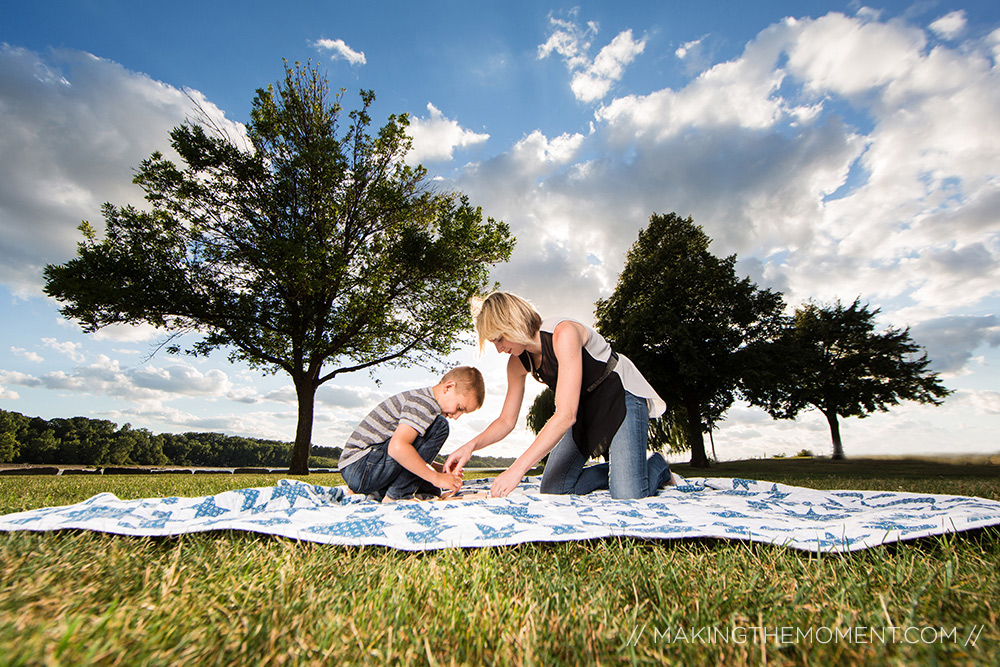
{"x":469,"y":382}
{"x":507,"y":315}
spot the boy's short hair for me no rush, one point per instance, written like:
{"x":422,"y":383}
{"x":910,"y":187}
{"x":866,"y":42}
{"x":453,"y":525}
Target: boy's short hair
{"x":507,"y":315}
{"x":469,"y":382}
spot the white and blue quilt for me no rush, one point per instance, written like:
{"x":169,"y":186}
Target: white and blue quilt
{"x":800,"y":518}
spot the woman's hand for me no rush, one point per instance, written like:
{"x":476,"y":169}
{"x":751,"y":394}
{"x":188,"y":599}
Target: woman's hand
{"x":505,"y":482}
{"x":455,"y":464}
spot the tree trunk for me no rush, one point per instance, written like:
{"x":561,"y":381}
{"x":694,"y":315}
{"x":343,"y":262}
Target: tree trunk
{"x":305,"y":391}
{"x":698,"y":457}
{"x":838,"y":446}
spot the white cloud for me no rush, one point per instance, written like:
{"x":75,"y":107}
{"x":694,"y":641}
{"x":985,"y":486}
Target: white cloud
{"x":591,"y":79}
{"x":147,"y":384}
{"x":686,"y":48}
{"x":595,"y":80}
{"x":952,"y":340}
{"x":847,"y":56}
{"x":570,"y":40}
{"x":339,"y":49}
{"x":950,"y":25}
{"x":436,"y":137}
{"x":18,"y":378}
{"x":740,"y":93}
{"x":71,"y":350}
{"x":983,"y":401}
{"x":128,"y":333}
{"x":537,"y":152}
{"x":72,"y":128}
{"x":27,"y":354}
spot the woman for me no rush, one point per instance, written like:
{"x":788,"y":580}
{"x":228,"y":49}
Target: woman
{"x":603,"y":405}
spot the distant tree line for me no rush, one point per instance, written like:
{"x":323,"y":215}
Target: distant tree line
{"x":99,"y":442}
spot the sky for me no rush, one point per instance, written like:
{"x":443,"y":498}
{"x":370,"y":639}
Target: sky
{"x":841,"y":150}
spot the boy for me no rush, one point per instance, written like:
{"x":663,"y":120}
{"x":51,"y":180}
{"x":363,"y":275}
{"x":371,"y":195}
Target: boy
{"x":388,"y":453}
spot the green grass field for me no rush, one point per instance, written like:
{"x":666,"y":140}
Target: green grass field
{"x":228,"y":598}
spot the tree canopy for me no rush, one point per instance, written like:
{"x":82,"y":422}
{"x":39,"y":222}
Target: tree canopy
{"x":682,"y":315}
{"x":314,"y":250}
{"x":542,"y":408}
{"x":831,"y":358}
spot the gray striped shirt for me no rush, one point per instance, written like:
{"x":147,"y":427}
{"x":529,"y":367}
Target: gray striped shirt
{"x":416,"y":408}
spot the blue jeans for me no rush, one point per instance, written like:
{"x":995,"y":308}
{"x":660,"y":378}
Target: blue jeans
{"x":628,"y":473}
{"x":380,"y":474}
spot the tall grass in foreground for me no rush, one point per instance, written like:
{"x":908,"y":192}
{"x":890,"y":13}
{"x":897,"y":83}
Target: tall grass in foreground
{"x":231,"y":598}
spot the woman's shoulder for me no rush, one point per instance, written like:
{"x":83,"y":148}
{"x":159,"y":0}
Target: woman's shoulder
{"x":567,"y":326}
{"x":550,"y":324}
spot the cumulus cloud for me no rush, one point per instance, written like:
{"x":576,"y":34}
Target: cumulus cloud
{"x":592,"y":79}
{"x":71,"y":350}
{"x":839,"y":156}
{"x":950,"y":25}
{"x":985,"y":402}
{"x":952,"y":341}
{"x":72,"y":128}
{"x":332,"y":396}
{"x":33,"y":357}
{"x":436,"y":137}
{"x":848,"y":56}
{"x":338,"y":49}
{"x":143,"y":384}
{"x":18,"y":378}
{"x":595,"y":80}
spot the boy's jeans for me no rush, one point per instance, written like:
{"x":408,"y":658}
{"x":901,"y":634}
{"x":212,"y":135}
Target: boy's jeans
{"x":380,"y":474}
{"x":628,"y":473}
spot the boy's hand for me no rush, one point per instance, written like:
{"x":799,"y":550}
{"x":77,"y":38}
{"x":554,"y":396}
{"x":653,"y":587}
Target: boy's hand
{"x":448,"y":481}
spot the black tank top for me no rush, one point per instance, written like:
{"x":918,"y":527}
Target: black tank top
{"x":602,"y":397}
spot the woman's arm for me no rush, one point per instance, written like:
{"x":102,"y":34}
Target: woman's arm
{"x":501,"y":426}
{"x":568,"y":340}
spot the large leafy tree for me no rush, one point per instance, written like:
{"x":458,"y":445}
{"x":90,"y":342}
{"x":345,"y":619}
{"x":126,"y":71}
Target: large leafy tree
{"x":831,"y":358}
{"x":682,"y":315}
{"x":312,"y":248}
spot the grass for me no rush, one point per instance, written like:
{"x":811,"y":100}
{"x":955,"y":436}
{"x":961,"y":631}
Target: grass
{"x":230,"y":598}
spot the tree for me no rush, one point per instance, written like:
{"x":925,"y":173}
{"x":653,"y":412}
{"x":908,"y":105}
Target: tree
{"x":313,"y":250}
{"x":681,"y":314}
{"x":11,"y":423}
{"x":832,"y":359}
{"x":669,"y":433}
{"x":542,"y":408}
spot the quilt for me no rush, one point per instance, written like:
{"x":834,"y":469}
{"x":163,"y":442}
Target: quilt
{"x":723,"y":508}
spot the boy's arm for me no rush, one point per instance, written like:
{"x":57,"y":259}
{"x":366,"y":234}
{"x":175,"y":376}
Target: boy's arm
{"x":402,"y":451}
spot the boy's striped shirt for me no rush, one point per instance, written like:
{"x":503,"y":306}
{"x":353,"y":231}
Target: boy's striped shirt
{"x":416,"y":408}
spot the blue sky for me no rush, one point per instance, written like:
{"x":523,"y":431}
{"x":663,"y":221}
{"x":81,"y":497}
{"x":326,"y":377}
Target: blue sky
{"x":841,"y":149}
